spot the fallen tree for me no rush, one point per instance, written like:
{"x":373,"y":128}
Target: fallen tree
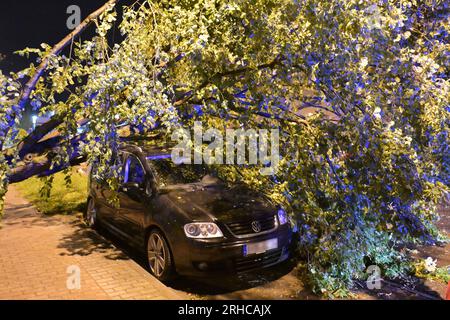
{"x":359,"y":185}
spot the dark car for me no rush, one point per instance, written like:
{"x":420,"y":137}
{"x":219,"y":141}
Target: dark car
{"x":188,"y":221}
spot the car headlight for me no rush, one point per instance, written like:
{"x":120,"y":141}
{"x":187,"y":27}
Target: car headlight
{"x":202,"y":230}
{"x":282,"y":217}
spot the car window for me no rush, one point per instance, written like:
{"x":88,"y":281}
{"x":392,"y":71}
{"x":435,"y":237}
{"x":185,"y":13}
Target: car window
{"x":134,"y":172}
{"x":169,"y":173}
{"x":100,"y":176}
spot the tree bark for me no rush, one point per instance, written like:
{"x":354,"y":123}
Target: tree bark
{"x":41,"y":165}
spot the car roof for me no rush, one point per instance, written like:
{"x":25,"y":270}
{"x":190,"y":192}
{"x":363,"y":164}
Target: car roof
{"x":147,"y":147}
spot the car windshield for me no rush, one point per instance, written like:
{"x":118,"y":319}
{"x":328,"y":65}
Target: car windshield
{"x":168,"y":173}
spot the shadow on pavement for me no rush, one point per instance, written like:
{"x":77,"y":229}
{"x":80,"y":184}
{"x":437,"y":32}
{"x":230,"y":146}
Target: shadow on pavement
{"x":84,"y":241}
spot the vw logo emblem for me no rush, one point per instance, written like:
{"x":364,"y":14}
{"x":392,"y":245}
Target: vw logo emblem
{"x":256,"y":226}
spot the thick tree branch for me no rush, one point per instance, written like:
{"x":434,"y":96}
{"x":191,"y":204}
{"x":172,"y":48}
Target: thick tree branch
{"x":42,"y":165}
{"x":37,"y":134}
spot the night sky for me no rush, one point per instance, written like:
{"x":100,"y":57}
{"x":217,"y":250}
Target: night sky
{"x":28,"y":23}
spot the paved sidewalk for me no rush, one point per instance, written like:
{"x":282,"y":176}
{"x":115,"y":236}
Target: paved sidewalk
{"x":40,"y":255}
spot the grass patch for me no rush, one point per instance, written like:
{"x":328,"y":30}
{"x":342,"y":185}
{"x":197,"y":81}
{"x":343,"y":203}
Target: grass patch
{"x":63,"y":199}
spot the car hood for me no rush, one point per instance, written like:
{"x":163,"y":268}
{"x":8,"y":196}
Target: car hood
{"x":202,"y":202}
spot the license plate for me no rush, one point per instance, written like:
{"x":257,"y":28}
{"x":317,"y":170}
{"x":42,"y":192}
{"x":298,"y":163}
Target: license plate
{"x":260,"y":247}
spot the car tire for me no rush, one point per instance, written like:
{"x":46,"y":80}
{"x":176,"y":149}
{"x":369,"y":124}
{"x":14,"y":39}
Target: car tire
{"x":91,"y":217}
{"x":159,"y":256}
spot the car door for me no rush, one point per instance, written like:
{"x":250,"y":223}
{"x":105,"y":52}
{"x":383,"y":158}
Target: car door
{"x":102,"y":194}
{"x":132,"y":197}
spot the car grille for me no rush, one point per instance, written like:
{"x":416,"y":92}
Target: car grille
{"x":258,"y":261}
{"x":244,"y":228}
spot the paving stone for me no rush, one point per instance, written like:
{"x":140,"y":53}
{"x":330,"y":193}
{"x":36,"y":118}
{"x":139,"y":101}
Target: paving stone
{"x":36,"y":252}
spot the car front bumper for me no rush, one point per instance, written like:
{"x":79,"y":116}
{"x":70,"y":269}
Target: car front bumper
{"x":217,"y":256}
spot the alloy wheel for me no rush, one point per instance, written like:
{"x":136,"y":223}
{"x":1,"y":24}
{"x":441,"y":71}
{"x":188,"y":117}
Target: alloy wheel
{"x":156,"y":254}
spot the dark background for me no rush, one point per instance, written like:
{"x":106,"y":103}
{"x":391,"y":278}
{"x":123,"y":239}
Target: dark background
{"x":27,"y":23}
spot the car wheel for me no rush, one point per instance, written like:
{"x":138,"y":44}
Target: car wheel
{"x":159,"y":256}
{"x":91,"y":214}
